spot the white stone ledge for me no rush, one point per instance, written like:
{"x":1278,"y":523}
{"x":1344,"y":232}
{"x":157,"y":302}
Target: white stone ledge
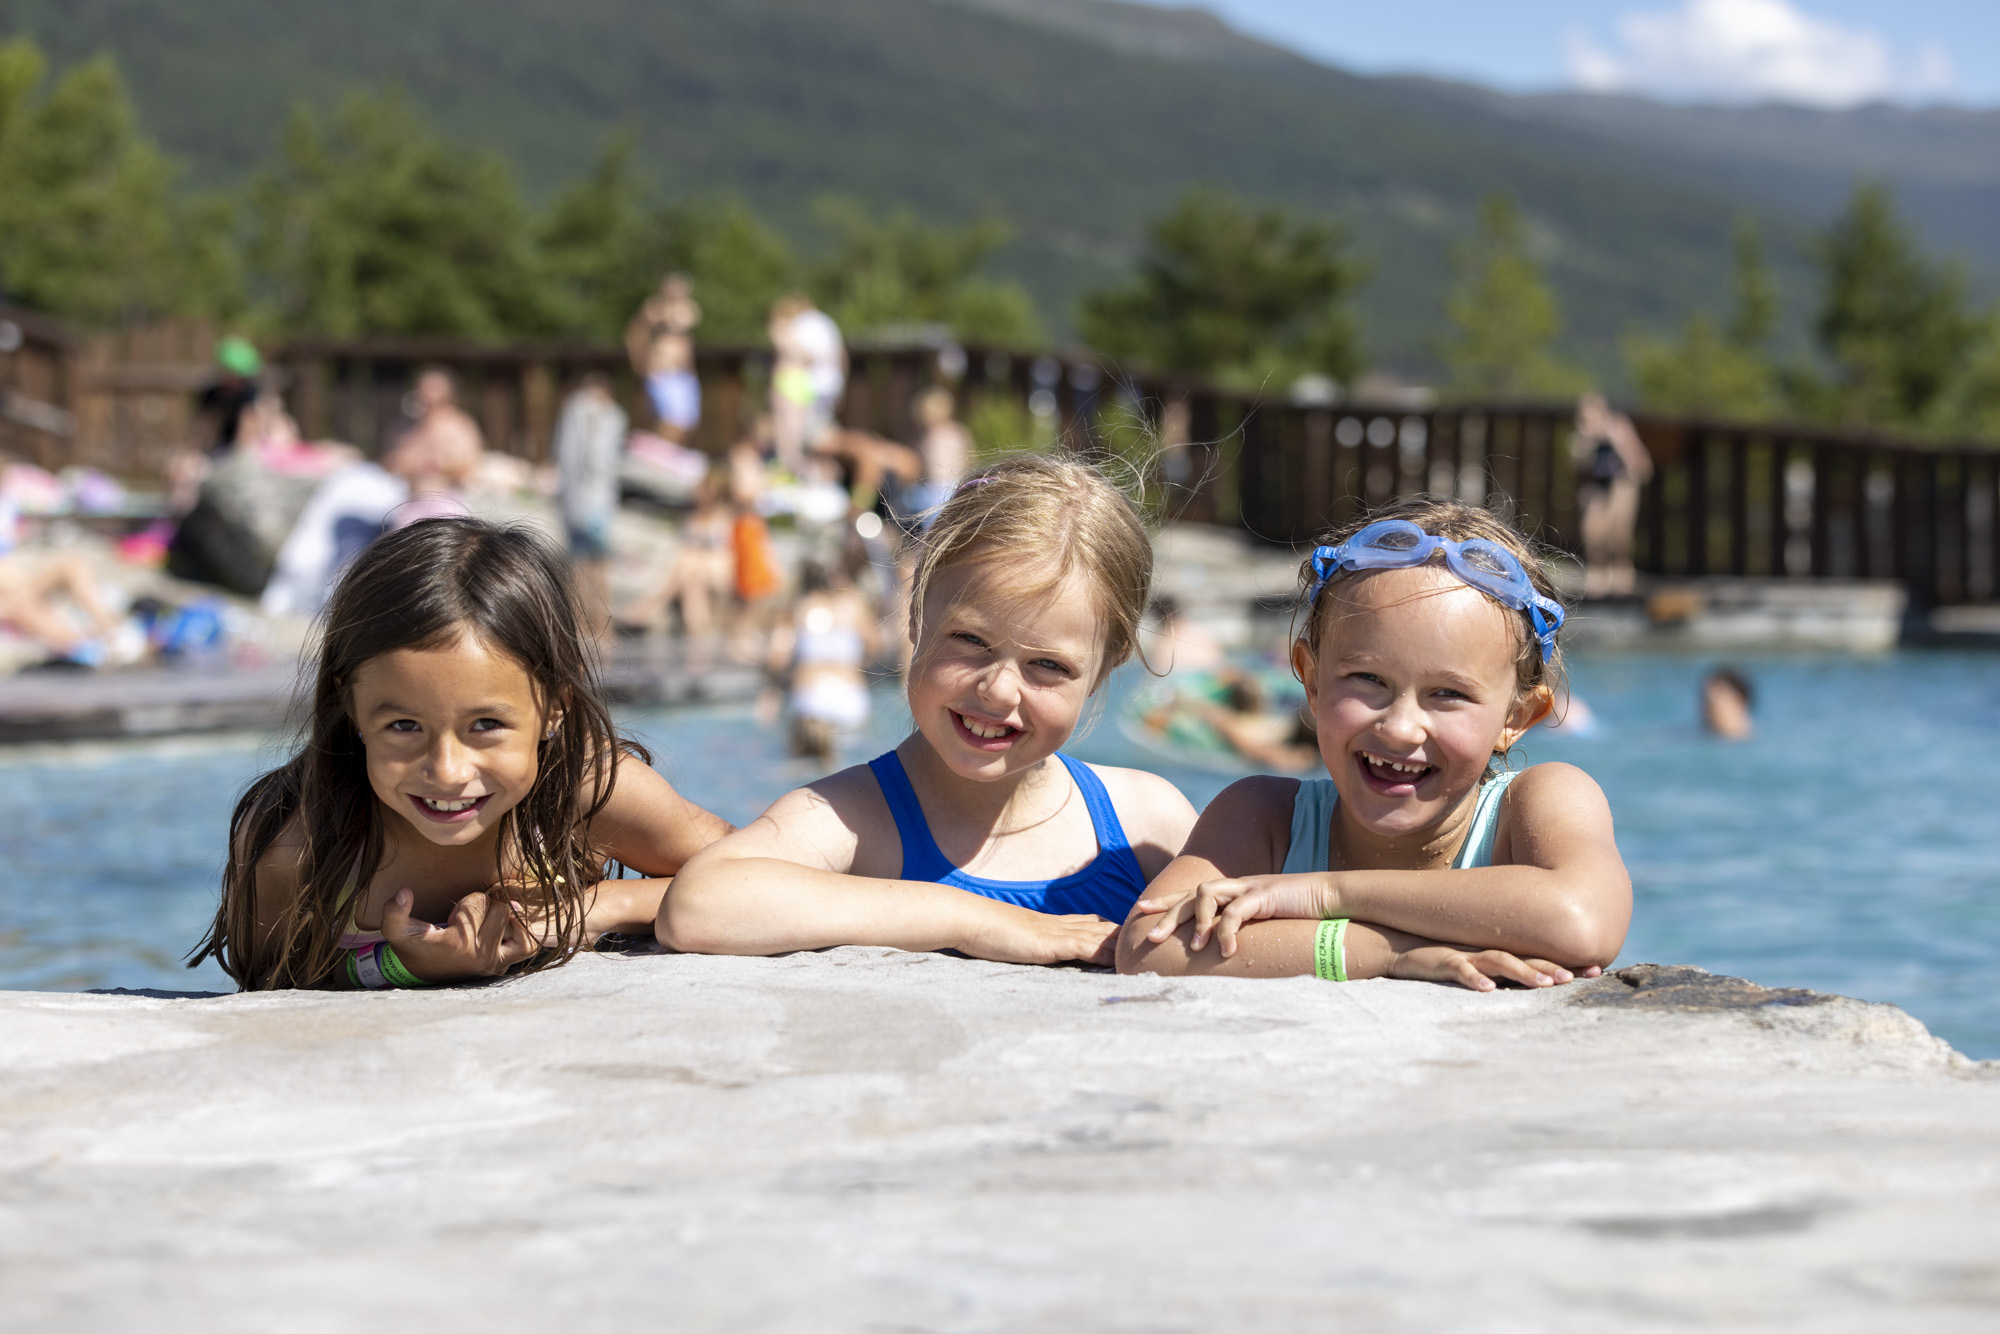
{"x":865,"y":1139}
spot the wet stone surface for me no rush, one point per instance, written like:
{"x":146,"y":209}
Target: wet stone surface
{"x":1655,"y":986}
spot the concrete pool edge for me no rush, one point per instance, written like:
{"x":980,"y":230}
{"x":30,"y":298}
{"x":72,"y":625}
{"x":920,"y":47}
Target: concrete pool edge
{"x":860,"y":1136}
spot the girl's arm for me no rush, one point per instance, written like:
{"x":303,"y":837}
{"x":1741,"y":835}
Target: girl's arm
{"x":1287,"y":948}
{"x":809,"y":873}
{"x":1245,"y":833}
{"x":1558,"y":891}
{"x":479,"y":939}
{"x":653,"y":829}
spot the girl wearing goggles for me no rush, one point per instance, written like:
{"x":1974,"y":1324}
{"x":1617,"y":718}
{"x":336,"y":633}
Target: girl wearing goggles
{"x":1428,"y":648}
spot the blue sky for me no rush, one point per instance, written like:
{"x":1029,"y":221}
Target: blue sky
{"x":1824,"y":52}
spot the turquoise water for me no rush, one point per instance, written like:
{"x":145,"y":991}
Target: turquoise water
{"x":1851,"y":846}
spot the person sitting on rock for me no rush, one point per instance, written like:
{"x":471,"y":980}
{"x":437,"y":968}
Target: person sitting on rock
{"x":1428,"y":649}
{"x":461,"y":788}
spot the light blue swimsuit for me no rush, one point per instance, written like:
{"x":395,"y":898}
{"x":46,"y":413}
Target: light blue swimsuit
{"x":1312,"y":825}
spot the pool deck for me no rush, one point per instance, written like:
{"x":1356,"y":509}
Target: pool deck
{"x":866,"y":1139}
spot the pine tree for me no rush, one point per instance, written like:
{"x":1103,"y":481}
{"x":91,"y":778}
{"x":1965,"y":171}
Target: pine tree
{"x":1502,"y":317}
{"x":1723,"y":373}
{"x":89,"y":226}
{"x":1892,"y":322}
{"x":1233,"y":293}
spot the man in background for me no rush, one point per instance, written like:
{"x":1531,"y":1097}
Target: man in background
{"x":590,"y":434}
{"x":660,"y":342}
{"x":438,"y":454}
{"x":807,"y":379}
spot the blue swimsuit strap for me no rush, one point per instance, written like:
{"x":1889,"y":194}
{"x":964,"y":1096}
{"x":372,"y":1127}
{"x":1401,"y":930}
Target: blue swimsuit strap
{"x":924,"y":860}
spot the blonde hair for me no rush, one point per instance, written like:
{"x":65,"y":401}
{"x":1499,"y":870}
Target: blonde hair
{"x":1056,"y":513}
{"x":1459,"y":522}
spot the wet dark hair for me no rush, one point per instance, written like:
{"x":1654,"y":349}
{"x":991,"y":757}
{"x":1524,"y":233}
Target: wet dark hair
{"x":423,"y":587}
{"x":1735,"y":680}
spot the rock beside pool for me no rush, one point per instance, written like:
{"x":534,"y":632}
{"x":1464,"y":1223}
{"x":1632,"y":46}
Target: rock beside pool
{"x":870,"y":1139}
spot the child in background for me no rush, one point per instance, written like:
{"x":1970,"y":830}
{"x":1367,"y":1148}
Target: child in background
{"x":976,"y":833}
{"x":1427,"y":651}
{"x":1725,"y":704}
{"x":460,"y":789}
{"x":822,"y":653}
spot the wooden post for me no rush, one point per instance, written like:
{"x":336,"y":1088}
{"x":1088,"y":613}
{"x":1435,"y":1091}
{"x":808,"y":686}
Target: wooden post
{"x":1738,"y":451}
{"x":1696,"y":507}
{"x":538,"y":410}
{"x":1316,"y":487}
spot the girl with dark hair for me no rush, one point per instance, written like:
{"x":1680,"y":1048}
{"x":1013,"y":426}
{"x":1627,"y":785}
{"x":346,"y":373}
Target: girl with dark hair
{"x":460,"y":788}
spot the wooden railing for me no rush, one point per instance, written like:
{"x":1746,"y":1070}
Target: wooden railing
{"x":1771,"y":501}
{"x":1728,"y":499}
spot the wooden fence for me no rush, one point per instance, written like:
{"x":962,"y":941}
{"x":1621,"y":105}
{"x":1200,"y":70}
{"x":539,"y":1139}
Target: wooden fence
{"x":1727,"y":499}
{"x":1770,"y":501}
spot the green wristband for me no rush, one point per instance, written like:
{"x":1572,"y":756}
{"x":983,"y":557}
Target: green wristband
{"x":1329,"y":950}
{"x":353,"y":971}
{"x":398,"y":975}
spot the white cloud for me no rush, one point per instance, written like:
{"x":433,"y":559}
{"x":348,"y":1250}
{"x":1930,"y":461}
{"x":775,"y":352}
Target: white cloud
{"x":1754,"y":50}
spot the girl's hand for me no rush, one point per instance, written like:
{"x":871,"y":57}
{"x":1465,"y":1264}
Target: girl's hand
{"x":1476,"y":969}
{"x":483,"y":937}
{"x":1022,"y":935}
{"x":1223,"y":906}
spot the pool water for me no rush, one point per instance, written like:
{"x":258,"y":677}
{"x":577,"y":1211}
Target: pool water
{"x":1852,"y":845}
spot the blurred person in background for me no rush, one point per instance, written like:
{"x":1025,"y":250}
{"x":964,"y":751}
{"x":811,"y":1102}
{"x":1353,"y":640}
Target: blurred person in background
{"x":439,"y":452}
{"x":34,"y":588}
{"x":660,"y":342}
{"x":590,"y":434}
{"x":869,"y":464}
{"x":807,"y":377}
{"x":1178,"y":643}
{"x":1726,"y":697}
{"x":703,"y":573}
{"x":220,"y":405}
{"x":945,"y":449}
{"x":1612,"y":464}
{"x":753,"y":558}
{"x":820,"y":652}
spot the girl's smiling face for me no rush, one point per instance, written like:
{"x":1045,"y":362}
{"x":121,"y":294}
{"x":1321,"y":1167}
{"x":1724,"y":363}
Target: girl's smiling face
{"x":1413,"y":688}
{"x":452,"y":736}
{"x":998,"y":680}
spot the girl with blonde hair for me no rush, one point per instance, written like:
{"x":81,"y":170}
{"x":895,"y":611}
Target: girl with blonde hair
{"x":1428,"y":649}
{"x":976,"y":833}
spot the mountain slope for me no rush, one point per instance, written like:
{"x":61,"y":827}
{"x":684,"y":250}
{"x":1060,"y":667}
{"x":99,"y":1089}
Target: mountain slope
{"x":1077,"y":121}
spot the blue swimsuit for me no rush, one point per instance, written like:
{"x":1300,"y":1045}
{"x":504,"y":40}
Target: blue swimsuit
{"x":1107,"y":887}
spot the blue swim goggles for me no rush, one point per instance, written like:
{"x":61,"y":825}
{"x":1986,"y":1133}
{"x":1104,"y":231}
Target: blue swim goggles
{"x":1395,"y":544}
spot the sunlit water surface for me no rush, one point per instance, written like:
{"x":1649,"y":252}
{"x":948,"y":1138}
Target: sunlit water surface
{"x":1851,"y":846}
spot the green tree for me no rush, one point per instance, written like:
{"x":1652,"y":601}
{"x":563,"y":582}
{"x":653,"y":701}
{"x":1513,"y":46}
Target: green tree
{"x":896,"y":270}
{"x":1233,"y":293}
{"x":603,"y":246}
{"x":606,"y":242}
{"x":1892,"y":322}
{"x":1502,"y":317}
{"x":89,"y":226}
{"x":1711,"y":372}
{"x":739,"y":265}
{"x":370,"y":224}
